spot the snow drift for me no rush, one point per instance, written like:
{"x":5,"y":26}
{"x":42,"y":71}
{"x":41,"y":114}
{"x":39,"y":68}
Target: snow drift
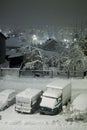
{"x":80,"y":103}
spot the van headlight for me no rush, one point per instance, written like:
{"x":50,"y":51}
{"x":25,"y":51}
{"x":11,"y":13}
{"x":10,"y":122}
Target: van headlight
{"x":42,"y":108}
{"x":52,"y":110}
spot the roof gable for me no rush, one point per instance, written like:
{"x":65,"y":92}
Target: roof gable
{"x":2,"y":35}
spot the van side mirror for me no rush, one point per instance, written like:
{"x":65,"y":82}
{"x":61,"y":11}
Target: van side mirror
{"x":59,"y":99}
{"x":41,"y":96}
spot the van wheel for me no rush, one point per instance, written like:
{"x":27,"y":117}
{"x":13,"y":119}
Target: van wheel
{"x":66,"y":103}
{"x":42,"y":113}
{"x":70,"y":100}
{"x":32,"y":111}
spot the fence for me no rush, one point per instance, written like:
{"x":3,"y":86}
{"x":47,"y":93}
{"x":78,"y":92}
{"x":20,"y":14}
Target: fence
{"x":52,"y":73}
{"x":36,"y":73}
{"x":70,"y":74}
{"x":41,"y":73}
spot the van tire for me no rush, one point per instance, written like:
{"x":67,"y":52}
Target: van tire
{"x":42,"y":113}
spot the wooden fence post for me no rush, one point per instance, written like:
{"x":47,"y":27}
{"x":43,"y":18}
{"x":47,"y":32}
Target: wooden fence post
{"x":68,"y":73}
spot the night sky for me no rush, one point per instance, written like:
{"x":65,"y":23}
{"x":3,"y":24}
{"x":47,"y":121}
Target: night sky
{"x":43,"y":12}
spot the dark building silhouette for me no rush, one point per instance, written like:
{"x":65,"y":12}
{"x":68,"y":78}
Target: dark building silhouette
{"x":15,"y":60}
{"x":52,"y":45}
{"x":2,"y":48}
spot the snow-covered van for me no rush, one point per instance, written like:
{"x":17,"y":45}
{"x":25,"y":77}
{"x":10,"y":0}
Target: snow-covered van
{"x":56,"y":95}
{"x":28,"y":100}
{"x":80,"y":103}
{"x":7,"y":98}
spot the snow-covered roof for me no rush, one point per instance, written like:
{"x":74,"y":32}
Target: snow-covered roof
{"x":58,"y":84}
{"x":29,"y":93}
{"x":10,"y":52}
{"x":80,"y":103}
{"x":15,"y":55}
{"x":50,"y":40}
{"x":28,"y":63}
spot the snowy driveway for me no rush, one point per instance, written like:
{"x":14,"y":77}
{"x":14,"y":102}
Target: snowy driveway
{"x":12,"y":120}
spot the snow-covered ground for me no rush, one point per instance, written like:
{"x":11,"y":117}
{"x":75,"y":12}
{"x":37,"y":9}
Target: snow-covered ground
{"x":12,"y":120}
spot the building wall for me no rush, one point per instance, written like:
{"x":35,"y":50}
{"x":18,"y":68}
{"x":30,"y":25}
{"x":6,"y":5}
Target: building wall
{"x":2,"y":49}
{"x":9,"y":71}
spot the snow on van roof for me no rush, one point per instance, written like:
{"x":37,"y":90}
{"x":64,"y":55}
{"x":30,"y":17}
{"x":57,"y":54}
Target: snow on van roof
{"x":29,"y":93}
{"x":53,"y":94}
{"x":59,"y":83}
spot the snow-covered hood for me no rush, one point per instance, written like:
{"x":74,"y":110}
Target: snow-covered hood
{"x":48,"y":102}
{"x":3,"y":104}
{"x":3,"y":101}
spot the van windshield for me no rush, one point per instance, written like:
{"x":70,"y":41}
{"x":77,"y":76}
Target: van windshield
{"x":48,"y":102}
{"x":23,"y":101}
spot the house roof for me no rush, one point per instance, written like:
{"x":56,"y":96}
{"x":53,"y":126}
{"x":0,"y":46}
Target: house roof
{"x":15,"y":55}
{"x":13,"y":42}
{"x":2,"y":35}
{"x":10,"y":52}
{"x":51,"y":45}
{"x":51,"y":40}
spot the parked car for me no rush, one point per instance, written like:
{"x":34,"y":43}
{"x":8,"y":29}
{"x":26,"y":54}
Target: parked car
{"x":7,"y":98}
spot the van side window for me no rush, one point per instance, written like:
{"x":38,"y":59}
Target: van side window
{"x":59,"y":99}
{"x":33,"y":103}
{"x":11,"y":95}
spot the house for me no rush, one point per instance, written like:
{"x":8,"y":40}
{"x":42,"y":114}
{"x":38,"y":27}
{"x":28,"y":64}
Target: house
{"x":50,"y":45}
{"x":2,"y":48}
{"x":15,"y":60}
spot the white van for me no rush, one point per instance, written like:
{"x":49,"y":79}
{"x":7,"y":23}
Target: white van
{"x":28,"y":100}
{"x":57,"y":94}
{"x":7,"y":98}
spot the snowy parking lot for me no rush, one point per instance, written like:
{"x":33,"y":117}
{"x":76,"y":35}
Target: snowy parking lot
{"x":12,"y":120}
